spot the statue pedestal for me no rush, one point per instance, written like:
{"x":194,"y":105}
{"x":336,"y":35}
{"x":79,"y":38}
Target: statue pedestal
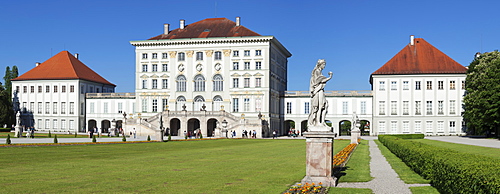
{"x":319,"y":158}
{"x":18,"y":132}
{"x":355,"y":135}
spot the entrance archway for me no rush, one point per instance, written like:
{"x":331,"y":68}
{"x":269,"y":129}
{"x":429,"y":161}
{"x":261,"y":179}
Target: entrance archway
{"x":175,"y":125}
{"x":345,"y":127}
{"x":193,"y":124}
{"x":289,"y":126}
{"x":211,"y":125}
{"x":92,"y":124}
{"x":105,"y":124}
{"x":365,"y":127}
{"x":303,"y":126}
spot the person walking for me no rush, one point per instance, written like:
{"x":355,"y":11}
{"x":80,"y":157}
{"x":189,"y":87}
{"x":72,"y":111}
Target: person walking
{"x":274,"y":134}
{"x":135,"y":133}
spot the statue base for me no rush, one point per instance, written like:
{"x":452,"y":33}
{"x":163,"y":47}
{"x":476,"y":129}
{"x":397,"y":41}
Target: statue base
{"x":319,"y":128}
{"x":319,"y":157}
{"x":355,"y":135}
{"x":18,"y":132}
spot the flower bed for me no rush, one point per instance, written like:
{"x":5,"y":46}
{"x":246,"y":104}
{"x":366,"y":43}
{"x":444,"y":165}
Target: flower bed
{"x":307,"y":188}
{"x":341,"y":158}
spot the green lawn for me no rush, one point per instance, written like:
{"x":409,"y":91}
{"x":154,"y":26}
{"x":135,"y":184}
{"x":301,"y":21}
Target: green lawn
{"x":213,"y":166}
{"x":479,"y":150}
{"x":358,"y":166}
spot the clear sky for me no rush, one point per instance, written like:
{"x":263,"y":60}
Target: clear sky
{"x":355,"y":37}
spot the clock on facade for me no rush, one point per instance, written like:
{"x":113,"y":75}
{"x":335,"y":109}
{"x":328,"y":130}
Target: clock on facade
{"x":199,"y":67}
{"x":181,"y":67}
{"x":217,"y":66}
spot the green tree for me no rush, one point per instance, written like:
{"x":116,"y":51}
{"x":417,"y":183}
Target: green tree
{"x":482,"y":98}
{"x":7,"y":115}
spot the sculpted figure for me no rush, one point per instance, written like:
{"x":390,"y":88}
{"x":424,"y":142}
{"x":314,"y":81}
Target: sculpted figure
{"x":318,"y":101}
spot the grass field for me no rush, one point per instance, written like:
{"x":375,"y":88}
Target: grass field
{"x":215,"y":166}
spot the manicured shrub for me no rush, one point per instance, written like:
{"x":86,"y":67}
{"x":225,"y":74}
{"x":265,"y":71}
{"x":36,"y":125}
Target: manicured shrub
{"x":407,"y":136}
{"x":76,"y":134}
{"x":50,"y":135}
{"x":7,"y":141}
{"x":149,"y":138}
{"x":5,"y":129}
{"x":94,"y":139}
{"x":55,"y":138}
{"x":124,"y":139}
{"x":201,"y":135}
{"x":169,"y":137}
{"x":449,"y":171}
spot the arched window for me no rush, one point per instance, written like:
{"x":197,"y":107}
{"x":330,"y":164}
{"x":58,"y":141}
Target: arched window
{"x":199,"y":101}
{"x":181,"y":101}
{"x":217,"y":103}
{"x":181,"y":83}
{"x":218,"y":83}
{"x":199,"y":83}
{"x":181,"y":57}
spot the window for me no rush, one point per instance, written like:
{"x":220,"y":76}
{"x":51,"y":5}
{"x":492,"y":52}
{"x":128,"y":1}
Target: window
{"x":71,"y":108}
{"x":236,"y":66}
{"x":32,"y":89}
{"x":91,"y":107}
{"x":258,"y":65}
{"x":199,"y":83}
{"x":306,"y":108}
{"x":63,"y":123}
{"x":452,"y":107}
{"x":440,"y":85}
{"x":218,"y":83}
{"x":258,"y":82}
{"x":155,"y":56}
{"x":452,"y":127}
{"x":428,"y":127}
{"x":47,"y":89}
{"x":63,"y":107}
{"x":418,"y":126}
{"x":164,"y":67}
{"x":288,"y":107}
{"x":440,"y":126}
{"x":363,"y":107}
{"x":181,"y":56}
{"x":155,"y":105}
{"x":144,"y":105}
{"x":406,"y":107}
{"x":120,"y":107}
{"x":246,"y":82}
{"x":63,"y":89}
{"x":199,"y":56}
{"x":40,"y":108}
{"x":105,"y":107}
{"x":144,"y":55}
{"x":144,"y":68}
{"x":394,"y":126}
{"x":246,"y":53}
{"x":258,"y":104}
{"x":17,"y":89}
{"x":417,"y":85}
{"x":24,"y":105}
{"x":47,"y":108}
{"x":381,"y":126}
{"x":382,"y":85}
{"x":218,"y":55}
{"x":440,"y":107}
{"x":381,"y":107}
{"x":155,"y":67}
{"x":236,"y":53}
{"x":25,"y":89}
{"x":258,"y":52}
{"x":71,"y":124}
{"x":32,"y":107}
{"x":406,"y":85}
{"x":144,"y":84}
{"x":164,"y":55}
{"x":235,"y":104}
{"x":452,"y":85}
{"x":429,"y":85}
{"x":247,"y":65}
{"x":345,"y":106}
{"x":164,"y":83}
{"x":154,"y":83}
{"x":394,"y":107}
{"x":47,"y":123}
{"x":164,"y":103}
{"x":39,"y":89}
{"x":235,"y":82}
{"x":463,"y":85}
{"x":181,"y":83}
{"x":394,"y":85}
{"x":429,"y":107}
{"x":417,"y":107}
{"x":82,"y":89}
{"x":54,"y":108}
{"x":406,"y":126}
{"x":246,"y":104}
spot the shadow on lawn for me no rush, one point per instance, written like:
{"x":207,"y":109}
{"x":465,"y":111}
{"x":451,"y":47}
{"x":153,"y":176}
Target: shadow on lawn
{"x":339,"y":172}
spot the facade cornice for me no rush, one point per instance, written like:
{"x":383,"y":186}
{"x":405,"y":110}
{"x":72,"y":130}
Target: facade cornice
{"x":193,"y":41}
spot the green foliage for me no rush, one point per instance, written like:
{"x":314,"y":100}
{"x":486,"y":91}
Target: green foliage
{"x":482,"y":99}
{"x":94,"y":139}
{"x":50,"y":135}
{"x":201,"y":135}
{"x":5,"y":129}
{"x":124,"y":139}
{"x":149,"y":138}
{"x":449,"y":171}
{"x":7,"y":141}
{"x":407,"y":136}
{"x":76,"y":134}
{"x":55,"y":138}
{"x":169,"y":136}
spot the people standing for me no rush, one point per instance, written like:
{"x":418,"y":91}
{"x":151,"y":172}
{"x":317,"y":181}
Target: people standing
{"x":274,"y":134}
{"x":32,"y":133}
{"x":135,"y":133}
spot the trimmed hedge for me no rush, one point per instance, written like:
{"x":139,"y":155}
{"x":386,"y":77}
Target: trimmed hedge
{"x":5,"y":129}
{"x":449,"y":171}
{"x":407,"y":136}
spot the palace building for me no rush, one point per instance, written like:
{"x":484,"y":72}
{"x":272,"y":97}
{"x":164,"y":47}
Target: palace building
{"x":215,"y":76}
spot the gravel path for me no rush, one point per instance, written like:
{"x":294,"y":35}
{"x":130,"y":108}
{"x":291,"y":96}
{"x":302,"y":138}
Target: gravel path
{"x":385,"y":178}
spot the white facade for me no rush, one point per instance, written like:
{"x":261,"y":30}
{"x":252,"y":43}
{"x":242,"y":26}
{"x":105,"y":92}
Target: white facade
{"x":108,"y":110}
{"x":424,"y":103}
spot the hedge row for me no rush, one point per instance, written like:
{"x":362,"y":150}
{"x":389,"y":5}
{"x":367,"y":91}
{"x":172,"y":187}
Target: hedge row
{"x":449,"y":171}
{"x":5,"y":129}
{"x":407,"y":136}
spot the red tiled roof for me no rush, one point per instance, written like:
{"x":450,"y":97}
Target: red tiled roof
{"x":62,"y":66}
{"x":421,"y":58}
{"x":211,"y":27}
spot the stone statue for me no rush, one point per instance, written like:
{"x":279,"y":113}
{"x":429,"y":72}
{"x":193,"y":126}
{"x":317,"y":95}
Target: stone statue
{"x":354,"y":122}
{"x":319,"y":103}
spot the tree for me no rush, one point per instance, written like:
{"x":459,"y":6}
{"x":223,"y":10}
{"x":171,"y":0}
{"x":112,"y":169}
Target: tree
{"x":7,"y":115}
{"x":482,"y":98}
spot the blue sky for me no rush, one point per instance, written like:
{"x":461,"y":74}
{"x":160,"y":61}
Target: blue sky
{"x":355,"y":37}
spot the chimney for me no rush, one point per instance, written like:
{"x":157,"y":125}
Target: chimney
{"x":166,"y":28}
{"x":37,"y":64}
{"x":237,"y":21}
{"x":182,"y":24}
{"x":76,"y":55}
{"x":412,"y":40}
